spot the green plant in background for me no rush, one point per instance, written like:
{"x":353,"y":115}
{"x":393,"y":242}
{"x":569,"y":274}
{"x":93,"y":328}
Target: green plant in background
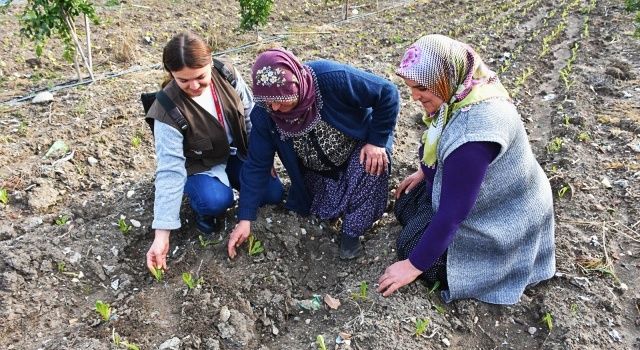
{"x":60,"y":266}
{"x":43,"y":19}
{"x":4,"y":196}
{"x":255,"y":246}
{"x":158,"y":274}
{"x":122,"y":225}
{"x":191,"y":283}
{"x":254,"y":13}
{"x":439,"y":309}
{"x":555,"y":145}
{"x":421,"y":326}
{"x":112,"y":3}
{"x":547,"y":319}
{"x":103,"y":309}
{"x":363,"y":290}
{"x":62,"y":220}
{"x":320,"y":343}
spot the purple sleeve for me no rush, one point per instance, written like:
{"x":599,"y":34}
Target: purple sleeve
{"x":463,"y":172}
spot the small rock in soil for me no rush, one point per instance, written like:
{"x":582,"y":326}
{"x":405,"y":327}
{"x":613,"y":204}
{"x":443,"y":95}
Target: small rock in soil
{"x":171,"y":344}
{"x":224,"y":314}
{"x":532,"y":330}
{"x":92,"y":161}
{"x":446,"y":342}
{"x":42,"y":97}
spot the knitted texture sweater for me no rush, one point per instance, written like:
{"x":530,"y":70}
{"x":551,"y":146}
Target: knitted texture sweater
{"x":507,"y":240}
{"x":361,"y":105}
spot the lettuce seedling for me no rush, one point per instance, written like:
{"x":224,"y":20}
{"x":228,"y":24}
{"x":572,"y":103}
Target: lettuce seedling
{"x":122,"y":225}
{"x":60,"y":266}
{"x":103,"y":309}
{"x":158,"y":274}
{"x":207,"y":242}
{"x":255,"y":246}
{"x":320,"y":343}
{"x":362,"y":292}
{"x":4,"y":196}
{"x":421,"y":326}
{"x":62,"y":220}
{"x":547,"y":319}
{"x":191,"y":283}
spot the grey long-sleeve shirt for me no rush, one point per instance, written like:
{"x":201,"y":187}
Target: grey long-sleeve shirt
{"x":171,"y":174}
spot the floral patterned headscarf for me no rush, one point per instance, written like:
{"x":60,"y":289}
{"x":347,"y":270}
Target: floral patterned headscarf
{"x":455,"y":73}
{"x":278,"y":76}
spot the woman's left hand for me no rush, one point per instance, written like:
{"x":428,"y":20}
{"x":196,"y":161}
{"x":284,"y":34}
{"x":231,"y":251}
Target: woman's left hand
{"x":374,"y":159}
{"x":396,"y":276}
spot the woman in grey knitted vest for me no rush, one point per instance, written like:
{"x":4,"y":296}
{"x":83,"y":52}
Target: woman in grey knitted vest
{"x":478,"y":215}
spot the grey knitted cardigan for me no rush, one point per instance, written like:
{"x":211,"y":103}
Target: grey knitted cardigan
{"x":507,"y":241}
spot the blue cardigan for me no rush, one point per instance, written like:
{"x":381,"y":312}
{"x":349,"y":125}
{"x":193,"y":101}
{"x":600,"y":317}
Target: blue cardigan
{"x":360,"y":104}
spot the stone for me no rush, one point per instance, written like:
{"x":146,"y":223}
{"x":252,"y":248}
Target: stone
{"x":532,"y":330}
{"x":42,"y":97}
{"x":92,"y":161}
{"x":224,"y":314}
{"x":171,"y":344}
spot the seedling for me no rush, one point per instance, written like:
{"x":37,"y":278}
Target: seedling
{"x":103,"y":309}
{"x":62,"y":220}
{"x":255,"y":246}
{"x":118,"y":341}
{"x":439,"y":309}
{"x":435,"y":287}
{"x":158,"y":274}
{"x":191,"y":283}
{"x":122,"y":225}
{"x":574,"y":308}
{"x":563,"y":191}
{"x":4,"y":196}
{"x":207,"y":242}
{"x":60,"y":266}
{"x":421,"y":326}
{"x":136,"y":141}
{"x":320,"y":343}
{"x":362,"y":291}
{"x":547,"y":319}
{"x":555,"y":145}
{"x":584,"y":136}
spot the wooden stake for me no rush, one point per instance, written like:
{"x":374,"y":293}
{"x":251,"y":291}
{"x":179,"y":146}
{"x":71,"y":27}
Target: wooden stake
{"x":72,"y":28}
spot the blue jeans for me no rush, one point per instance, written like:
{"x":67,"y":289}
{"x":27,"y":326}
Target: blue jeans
{"x":208,"y":196}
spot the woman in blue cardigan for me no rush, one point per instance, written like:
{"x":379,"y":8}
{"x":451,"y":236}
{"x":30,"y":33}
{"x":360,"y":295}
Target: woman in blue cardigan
{"x":332,"y":127}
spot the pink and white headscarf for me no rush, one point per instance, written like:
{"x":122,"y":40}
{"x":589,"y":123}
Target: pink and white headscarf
{"x":455,"y":73}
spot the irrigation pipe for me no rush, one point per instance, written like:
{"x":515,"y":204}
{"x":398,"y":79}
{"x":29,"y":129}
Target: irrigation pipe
{"x":16,"y":100}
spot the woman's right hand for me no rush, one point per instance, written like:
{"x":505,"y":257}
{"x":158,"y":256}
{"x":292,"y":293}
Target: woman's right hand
{"x":157,"y":254}
{"x":238,"y":236}
{"x":409,"y":183}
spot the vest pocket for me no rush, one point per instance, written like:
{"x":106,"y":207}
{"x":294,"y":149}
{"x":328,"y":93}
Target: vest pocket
{"x":197,"y":147}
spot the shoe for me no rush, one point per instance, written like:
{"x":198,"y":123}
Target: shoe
{"x":205,"y":224}
{"x":350,"y":247}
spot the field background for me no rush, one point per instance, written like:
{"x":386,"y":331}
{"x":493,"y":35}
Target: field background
{"x":571,"y":67}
